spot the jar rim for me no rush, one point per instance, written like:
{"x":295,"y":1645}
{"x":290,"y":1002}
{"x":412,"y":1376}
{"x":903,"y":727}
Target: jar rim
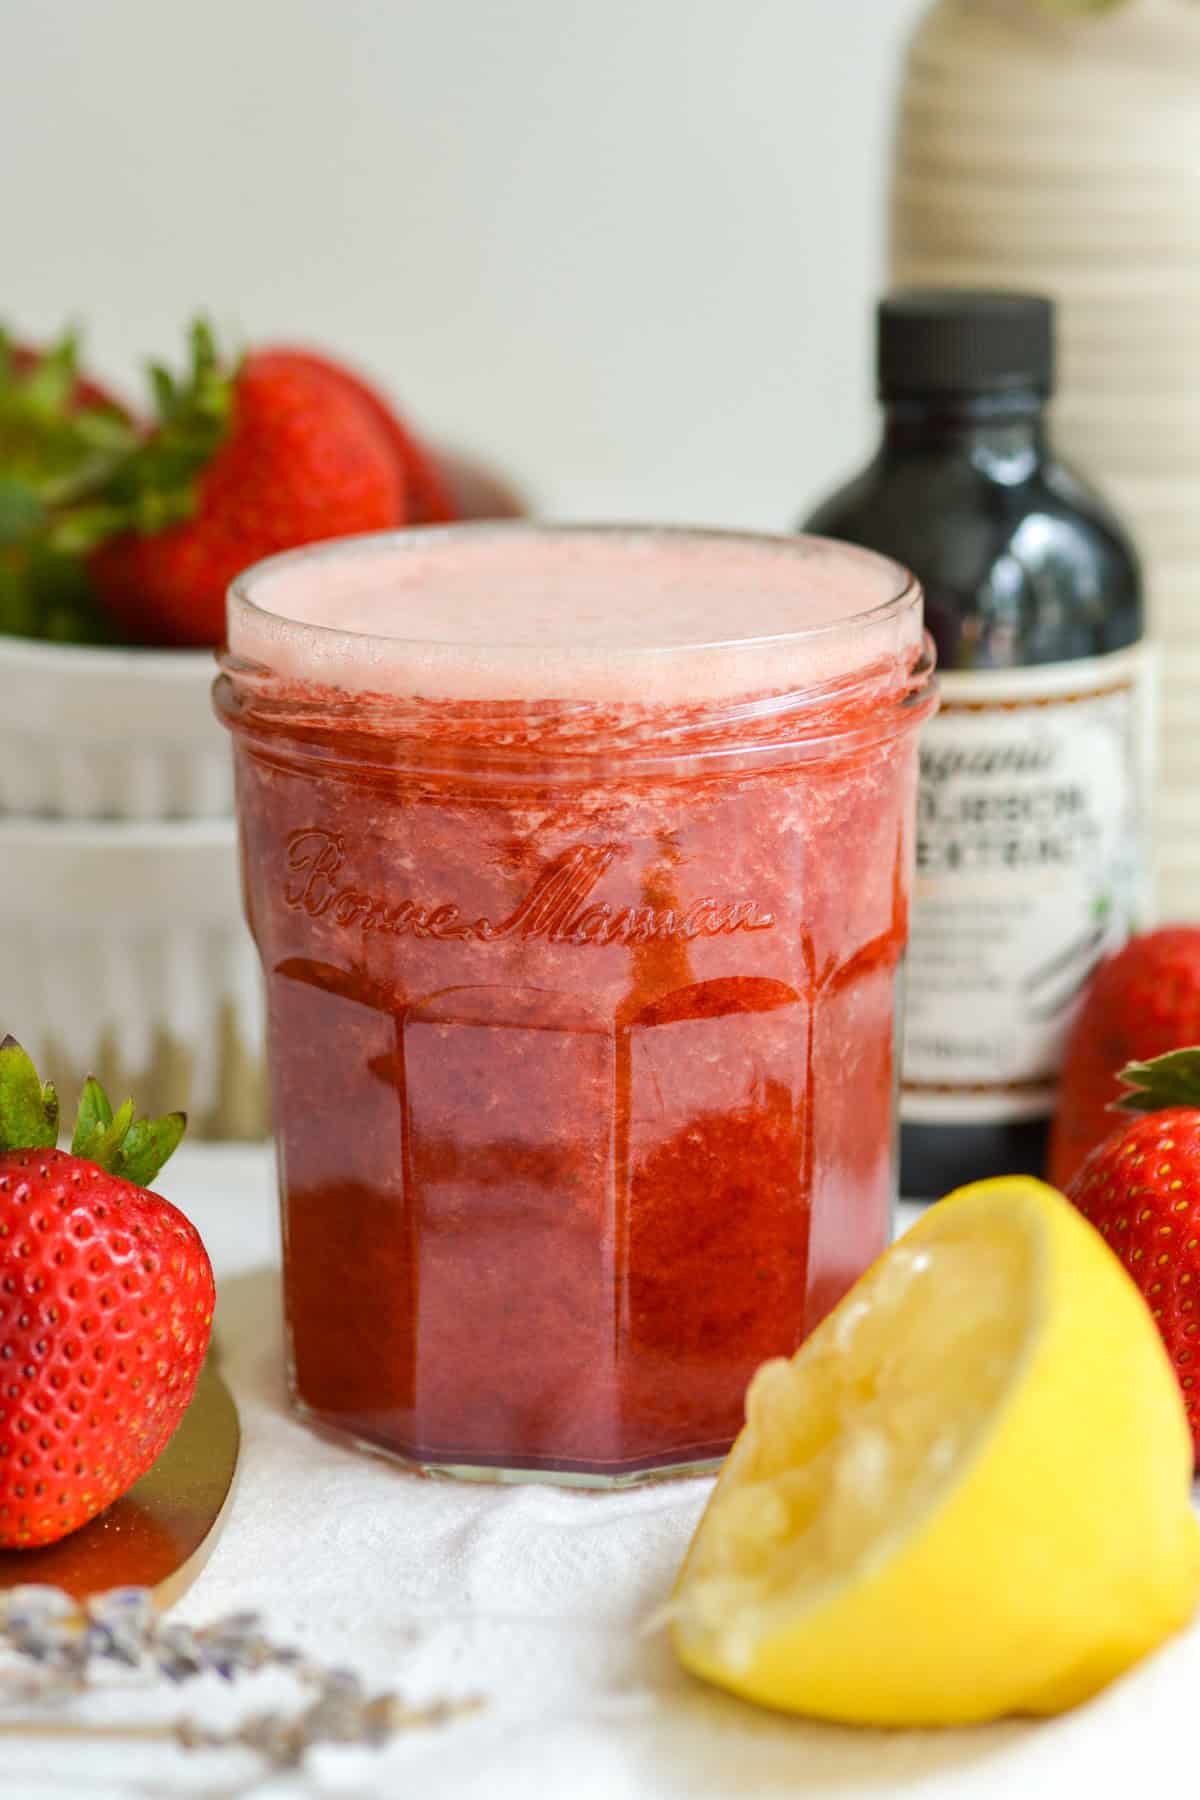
{"x":819,"y":580}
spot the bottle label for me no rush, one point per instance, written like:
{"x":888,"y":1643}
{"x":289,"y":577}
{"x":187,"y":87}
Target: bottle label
{"x":1031,"y":850}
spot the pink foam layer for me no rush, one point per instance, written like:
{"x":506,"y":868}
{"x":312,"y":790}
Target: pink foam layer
{"x":518,"y":613}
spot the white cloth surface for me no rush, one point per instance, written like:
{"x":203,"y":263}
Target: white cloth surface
{"x":535,"y":1599}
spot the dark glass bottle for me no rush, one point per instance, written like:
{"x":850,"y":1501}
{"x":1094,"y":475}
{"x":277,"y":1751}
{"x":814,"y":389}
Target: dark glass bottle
{"x":1033,"y":781}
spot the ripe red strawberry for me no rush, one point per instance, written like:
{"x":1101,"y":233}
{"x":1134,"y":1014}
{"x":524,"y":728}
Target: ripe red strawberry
{"x":277,"y":454}
{"x":106,"y":1301}
{"x":1143,"y":1002}
{"x":1141,"y":1190}
{"x":430,"y":496}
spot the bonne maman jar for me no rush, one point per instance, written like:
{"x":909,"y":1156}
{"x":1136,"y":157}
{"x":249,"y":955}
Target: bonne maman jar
{"x":578,"y":863}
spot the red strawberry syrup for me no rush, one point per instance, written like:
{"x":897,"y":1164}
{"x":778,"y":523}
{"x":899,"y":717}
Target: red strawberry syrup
{"x":581,"y":1010}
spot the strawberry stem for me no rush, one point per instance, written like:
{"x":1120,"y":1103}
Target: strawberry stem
{"x":133,"y":1149}
{"x":153,"y":485}
{"x":1170,"y":1080}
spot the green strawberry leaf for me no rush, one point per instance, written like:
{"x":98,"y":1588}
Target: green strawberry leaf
{"x":48,"y":387}
{"x":1171,"y":1080}
{"x":28,"y":1110}
{"x":64,"y":599}
{"x":155,"y":485}
{"x":94,"y":1115}
{"x":17,"y":614}
{"x":22,"y":513}
{"x":82,"y":528}
{"x":134,"y":1150}
{"x":148,"y":1144}
{"x":102,"y":1142}
{"x":53,"y":440}
{"x":58,"y":445}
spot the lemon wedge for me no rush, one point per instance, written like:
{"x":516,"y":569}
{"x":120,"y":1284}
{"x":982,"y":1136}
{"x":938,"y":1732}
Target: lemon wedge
{"x":968,"y":1494}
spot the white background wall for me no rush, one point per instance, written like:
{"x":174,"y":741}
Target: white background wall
{"x":628,"y":247}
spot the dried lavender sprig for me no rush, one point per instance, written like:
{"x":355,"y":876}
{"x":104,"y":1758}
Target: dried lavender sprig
{"x":281,"y":1739}
{"x":65,"y":1642}
{"x":124,"y":1627}
{"x":370,"y":1722}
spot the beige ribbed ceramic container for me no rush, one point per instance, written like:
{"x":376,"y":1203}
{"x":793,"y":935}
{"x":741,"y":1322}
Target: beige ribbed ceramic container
{"x":1062,"y":154}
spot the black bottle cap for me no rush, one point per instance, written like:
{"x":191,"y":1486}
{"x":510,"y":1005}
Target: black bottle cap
{"x":954,"y":341}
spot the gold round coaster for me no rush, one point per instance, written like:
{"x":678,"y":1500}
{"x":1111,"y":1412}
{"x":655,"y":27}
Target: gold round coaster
{"x":160,"y":1534}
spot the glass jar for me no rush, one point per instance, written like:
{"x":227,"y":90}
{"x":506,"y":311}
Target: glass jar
{"x":578,"y":863}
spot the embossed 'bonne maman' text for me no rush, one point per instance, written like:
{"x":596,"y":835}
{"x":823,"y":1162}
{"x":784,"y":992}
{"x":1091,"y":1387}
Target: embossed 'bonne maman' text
{"x":558,"y":907}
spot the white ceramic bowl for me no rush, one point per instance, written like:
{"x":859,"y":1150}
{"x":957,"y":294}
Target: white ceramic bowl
{"x":123,"y":952}
{"x":99,"y":733}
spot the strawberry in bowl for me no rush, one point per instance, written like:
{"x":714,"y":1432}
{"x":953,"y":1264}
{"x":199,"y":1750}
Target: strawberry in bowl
{"x":118,"y":539}
{"x":286,"y":447}
{"x":275,"y":453}
{"x":147,"y":522}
